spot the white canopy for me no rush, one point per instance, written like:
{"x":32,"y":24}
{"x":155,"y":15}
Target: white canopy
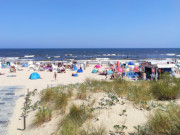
{"x":165,"y":65}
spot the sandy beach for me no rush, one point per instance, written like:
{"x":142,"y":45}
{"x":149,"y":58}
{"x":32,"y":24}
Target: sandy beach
{"x":107,"y":117}
{"x":22,"y":79}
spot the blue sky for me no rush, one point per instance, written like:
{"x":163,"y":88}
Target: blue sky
{"x":89,"y":23}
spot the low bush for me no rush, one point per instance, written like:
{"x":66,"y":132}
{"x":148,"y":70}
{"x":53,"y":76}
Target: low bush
{"x":166,"y":88}
{"x":82,"y":92}
{"x":165,"y":122}
{"x":93,"y":131}
{"x":43,"y":115}
{"x":74,"y":120}
{"x":55,"y":98}
{"x":48,"y":94}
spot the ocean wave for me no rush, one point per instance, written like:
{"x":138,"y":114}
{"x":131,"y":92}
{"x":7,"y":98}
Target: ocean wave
{"x":170,"y":54}
{"x":57,"y":56}
{"x":178,"y":55}
{"x":29,"y":56}
{"x":68,"y":54}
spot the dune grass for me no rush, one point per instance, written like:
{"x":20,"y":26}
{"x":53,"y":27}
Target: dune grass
{"x":165,"y":122}
{"x":43,"y":115}
{"x":166,"y":88}
{"x":55,"y":98}
{"x":140,"y":92}
{"x":137,"y":92}
{"x":71,"y":124}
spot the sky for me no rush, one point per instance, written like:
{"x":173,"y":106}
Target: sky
{"x":90,"y":24}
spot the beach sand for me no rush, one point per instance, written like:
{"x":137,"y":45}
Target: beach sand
{"x":107,"y":117}
{"x":22,"y":79}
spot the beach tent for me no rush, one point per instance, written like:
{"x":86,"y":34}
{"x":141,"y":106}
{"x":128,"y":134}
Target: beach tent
{"x":74,"y":74}
{"x":97,"y":66}
{"x":94,"y":71}
{"x":34,"y":76}
{"x":24,"y":65}
{"x":130,"y":63}
{"x":79,"y":70}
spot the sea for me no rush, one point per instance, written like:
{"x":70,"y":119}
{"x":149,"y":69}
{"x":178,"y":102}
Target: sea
{"x":87,"y":53}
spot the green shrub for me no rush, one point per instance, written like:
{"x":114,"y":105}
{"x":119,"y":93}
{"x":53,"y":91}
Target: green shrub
{"x":61,"y":100}
{"x":93,"y":131}
{"x":166,"y":88}
{"x":79,"y":114}
{"x":163,"y":122}
{"x":48,"y":94}
{"x":43,"y":115}
{"x":74,"y":120}
{"x":82,"y":92}
{"x":56,"y":98}
{"x":139,"y":94}
{"x":68,"y":128}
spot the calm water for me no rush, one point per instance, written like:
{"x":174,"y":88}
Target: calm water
{"x":115,"y":53}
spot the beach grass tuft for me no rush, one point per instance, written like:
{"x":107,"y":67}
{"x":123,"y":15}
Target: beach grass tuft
{"x":166,"y":122}
{"x":71,"y":124}
{"x":43,"y":115}
{"x":55,"y":98}
{"x":166,"y":88}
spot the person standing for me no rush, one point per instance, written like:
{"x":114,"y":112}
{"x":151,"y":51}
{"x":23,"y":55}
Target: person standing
{"x":55,"y":71}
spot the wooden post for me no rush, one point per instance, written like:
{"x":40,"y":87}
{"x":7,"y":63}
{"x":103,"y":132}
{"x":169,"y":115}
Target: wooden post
{"x":24,"y":117}
{"x":25,"y":106}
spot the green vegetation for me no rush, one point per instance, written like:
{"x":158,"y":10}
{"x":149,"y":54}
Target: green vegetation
{"x":165,"y":122}
{"x":74,"y":120}
{"x":82,"y":92}
{"x":141,"y":93}
{"x":43,"y":115}
{"x":55,"y":98}
{"x":167,"y":88}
